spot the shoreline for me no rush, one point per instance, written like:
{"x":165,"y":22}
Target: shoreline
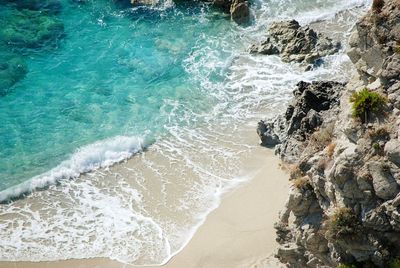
{"x":238,"y":233}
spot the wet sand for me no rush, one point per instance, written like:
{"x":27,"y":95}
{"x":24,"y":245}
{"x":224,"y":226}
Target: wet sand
{"x":239,"y":233}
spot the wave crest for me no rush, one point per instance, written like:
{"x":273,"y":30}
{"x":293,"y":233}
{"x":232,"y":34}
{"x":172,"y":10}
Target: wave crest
{"x":101,"y":154}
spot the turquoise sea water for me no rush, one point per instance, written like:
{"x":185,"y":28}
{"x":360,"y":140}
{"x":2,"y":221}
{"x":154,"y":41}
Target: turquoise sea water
{"x":116,"y":71}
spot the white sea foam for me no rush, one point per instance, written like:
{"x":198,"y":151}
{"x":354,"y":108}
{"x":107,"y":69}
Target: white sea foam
{"x":101,"y":154}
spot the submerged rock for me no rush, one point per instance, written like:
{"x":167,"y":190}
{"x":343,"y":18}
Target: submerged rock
{"x":26,"y":25}
{"x":12,"y":69}
{"x":30,"y":29}
{"x":44,"y":6}
{"x":295,"y":43}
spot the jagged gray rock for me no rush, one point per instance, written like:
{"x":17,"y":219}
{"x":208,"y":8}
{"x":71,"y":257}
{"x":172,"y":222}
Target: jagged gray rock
{"x":295,"y":43}
{"x":392,"y":150}
{"x":385,"y":185}
{"x":374,"y":44}
{"x":314,"y":104}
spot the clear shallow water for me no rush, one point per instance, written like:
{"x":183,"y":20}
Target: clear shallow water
{"x":117,"y":72}
{"x":174,"y":79}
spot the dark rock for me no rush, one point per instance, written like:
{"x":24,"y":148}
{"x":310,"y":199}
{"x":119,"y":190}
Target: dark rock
{"x":357,"y":168}
{"x":240,"y":12}
{"x":224,"y":5}
{"x":266,"y":134}
{"x":312,"y":102}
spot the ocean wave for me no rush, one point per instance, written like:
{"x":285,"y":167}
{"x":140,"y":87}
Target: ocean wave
{"x":101,"y":154}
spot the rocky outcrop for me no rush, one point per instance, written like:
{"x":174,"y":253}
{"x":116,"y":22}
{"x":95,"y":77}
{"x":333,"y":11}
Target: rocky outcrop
{"x":344,"y":202}
{"x":314,"y":105}
{"x":295,"y":43}
{"x":345,"y":165}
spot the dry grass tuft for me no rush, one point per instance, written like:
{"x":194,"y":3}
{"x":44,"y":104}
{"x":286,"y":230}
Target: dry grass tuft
{"x":330,"y":149}
{"x":295,"y":172}
{"x":302,"y":183}
{"x":322,"y":137}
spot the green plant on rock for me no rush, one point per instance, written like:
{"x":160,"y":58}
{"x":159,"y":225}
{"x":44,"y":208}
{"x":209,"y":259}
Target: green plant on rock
{"x":366,"y":103}
{"x":343,"y":223}
{"x":376,"y":146}
{"x":395,"y":263}
{"x":346,"y":266}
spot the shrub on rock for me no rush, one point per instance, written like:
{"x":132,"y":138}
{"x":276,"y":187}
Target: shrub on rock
{"x":366,"y":103}
{"x":343,"y":223}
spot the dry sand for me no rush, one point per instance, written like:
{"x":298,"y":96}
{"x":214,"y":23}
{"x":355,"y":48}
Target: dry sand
{"x":239,"y":233}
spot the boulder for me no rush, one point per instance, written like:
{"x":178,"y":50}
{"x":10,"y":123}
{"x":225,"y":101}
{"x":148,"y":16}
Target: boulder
{"x":266,"y":134}
{"x":240,"y":12}
{"x":295,"y":43}
{"x":392,"y":151}
{"x":385,"y":185}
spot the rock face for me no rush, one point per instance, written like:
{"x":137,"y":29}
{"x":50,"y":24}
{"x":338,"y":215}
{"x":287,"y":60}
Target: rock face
{"x":344,"y":204}
{"x":295,"y":43}
{"x":312,"y":104}
{"x":375,"y":44}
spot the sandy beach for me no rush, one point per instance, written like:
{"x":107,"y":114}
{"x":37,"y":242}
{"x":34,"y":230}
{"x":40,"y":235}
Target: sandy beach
{"x":239,"y":233}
